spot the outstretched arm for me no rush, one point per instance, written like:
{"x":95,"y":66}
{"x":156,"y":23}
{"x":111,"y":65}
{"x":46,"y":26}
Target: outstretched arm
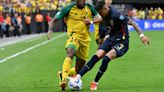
{"x":60,"y":14}
{"x":145,"y":40}
{"x":50,"y":29}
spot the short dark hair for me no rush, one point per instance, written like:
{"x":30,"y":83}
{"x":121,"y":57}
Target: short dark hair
{"x":100,"y":5}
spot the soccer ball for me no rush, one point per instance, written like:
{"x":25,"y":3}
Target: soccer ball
{"x":75,"y":84}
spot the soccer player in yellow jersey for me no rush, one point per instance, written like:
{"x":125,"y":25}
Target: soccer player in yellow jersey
{"x":79,"y":17}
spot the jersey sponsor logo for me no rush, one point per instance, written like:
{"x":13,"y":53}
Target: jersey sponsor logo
{"x":121,"y":17}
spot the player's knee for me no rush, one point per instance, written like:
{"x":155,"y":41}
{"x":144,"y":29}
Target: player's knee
{"x":70,"y":52}
{"x":112,"y":54}
{"x":92,"y":62}
{"x":100,"y":53}
{"x":104,"y":64}
{"x":70,"y":55}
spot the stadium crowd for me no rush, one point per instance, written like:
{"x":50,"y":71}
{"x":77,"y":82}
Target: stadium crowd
{"x":152,"y":13}
{"x":17,"y":16}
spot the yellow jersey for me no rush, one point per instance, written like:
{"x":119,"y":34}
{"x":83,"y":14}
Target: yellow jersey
{"x":76,"y":26}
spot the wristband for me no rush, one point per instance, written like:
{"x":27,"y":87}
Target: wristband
{"x":141,"y":35}
{"x":91,"y":22}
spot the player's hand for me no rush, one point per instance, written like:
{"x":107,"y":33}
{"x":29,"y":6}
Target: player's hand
{"x":49,"y":34}
{"x":87,"y":21}
{"x":106,"y":37}
{"x":145,"y":40}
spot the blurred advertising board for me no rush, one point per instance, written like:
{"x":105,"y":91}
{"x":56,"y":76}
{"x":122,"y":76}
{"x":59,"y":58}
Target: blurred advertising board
{"x":145,"y":25}
{"x":149,"y":25}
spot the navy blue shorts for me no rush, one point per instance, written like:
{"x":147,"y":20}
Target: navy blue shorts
{"x":121,"y":46}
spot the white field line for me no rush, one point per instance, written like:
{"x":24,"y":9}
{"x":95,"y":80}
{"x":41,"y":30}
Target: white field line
{"x":2,"y":49}
{"x":14,"y":40}
{"x":29,"y":49}
{"x":33,"y":40}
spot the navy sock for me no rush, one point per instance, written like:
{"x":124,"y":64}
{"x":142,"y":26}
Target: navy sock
{"x":102,"y":68}
{"x":89,"y":65}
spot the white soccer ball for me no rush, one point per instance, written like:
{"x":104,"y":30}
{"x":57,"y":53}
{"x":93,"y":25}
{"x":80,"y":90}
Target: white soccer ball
{"x":75,"y":84}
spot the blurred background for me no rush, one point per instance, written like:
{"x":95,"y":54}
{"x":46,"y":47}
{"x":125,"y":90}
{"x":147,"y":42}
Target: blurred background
{"x":19,"y":17}
{"x":30,"y":63}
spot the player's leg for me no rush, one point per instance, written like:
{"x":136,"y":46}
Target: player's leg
{"x":99,"y":54}
{"x":106,"y":59}
{"x":71,"y":48}
{"x":72,"y":72}
{"x":66,"y":66}
{"x":79,"y":64}
{"x":81,"y":57}
{"x":67,"y":61}
{"x":117,"y":51}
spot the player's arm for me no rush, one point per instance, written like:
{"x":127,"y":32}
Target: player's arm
{"x":61,"y":14}
{"x":145,"y":40}
{"x":96,"y":16}
{"x":106,"y":36}
{"x":96,"y":19}
{"x":50,"y":29}
{"x":58,"y":16}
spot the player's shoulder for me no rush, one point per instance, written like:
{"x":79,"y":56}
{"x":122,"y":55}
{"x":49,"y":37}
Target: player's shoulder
{"x":114,"y":10}
{"x":92,"y":8}
{"x":115,"y":13}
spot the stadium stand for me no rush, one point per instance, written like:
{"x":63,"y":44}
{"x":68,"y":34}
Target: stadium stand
{"x":137,"y":10}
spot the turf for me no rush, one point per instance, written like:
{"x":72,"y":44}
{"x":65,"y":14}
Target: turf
{"x":139,"y":70}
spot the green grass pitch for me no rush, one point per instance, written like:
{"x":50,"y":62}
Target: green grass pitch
{"x":141,"y":69}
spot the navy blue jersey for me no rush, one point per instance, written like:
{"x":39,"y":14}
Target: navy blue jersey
{"x":102,"y":30}
{"x":117,"y":24}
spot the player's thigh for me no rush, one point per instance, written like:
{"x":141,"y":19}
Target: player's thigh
{"x":112,"y":54}
{"x":106,"y":46}
{"x":100,"y":53}
{"x":72,"y":42}
{"x":120,"y":49}
{"x":83,"y":51}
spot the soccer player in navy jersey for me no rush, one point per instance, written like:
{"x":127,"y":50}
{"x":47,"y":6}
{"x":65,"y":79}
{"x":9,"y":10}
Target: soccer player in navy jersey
{"x":102,"y":29}
{"x":116,"y":45}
